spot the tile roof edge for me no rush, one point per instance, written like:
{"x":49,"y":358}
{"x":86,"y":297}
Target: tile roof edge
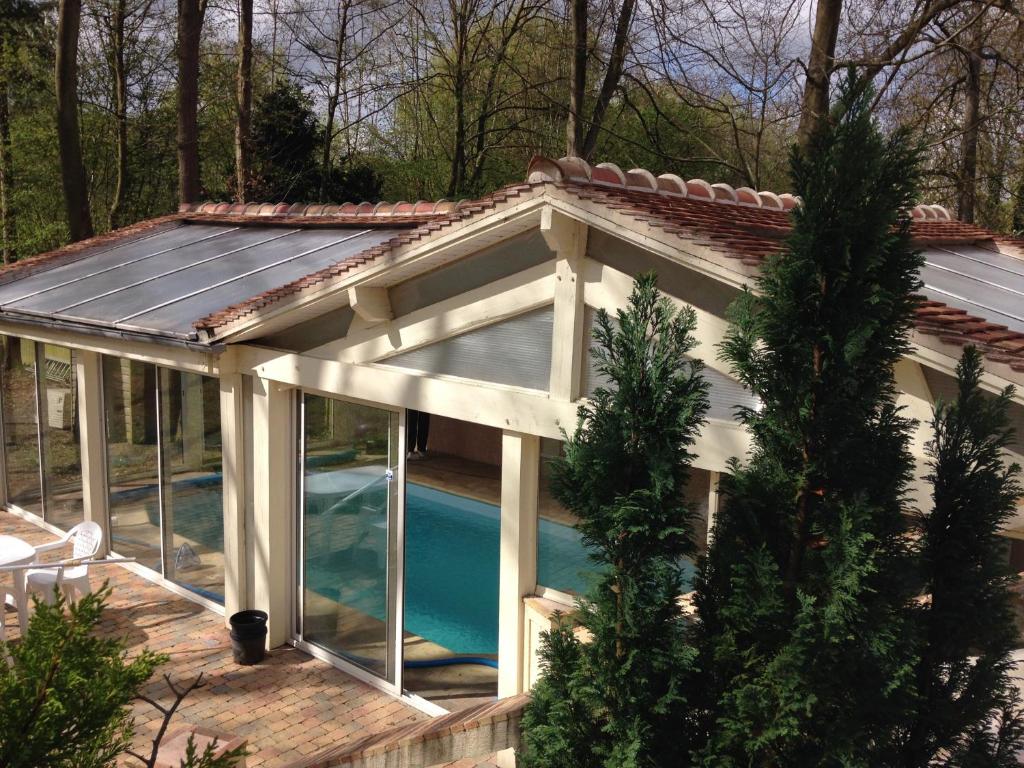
{"x":261,"y":211}
{"x":577,"y":170}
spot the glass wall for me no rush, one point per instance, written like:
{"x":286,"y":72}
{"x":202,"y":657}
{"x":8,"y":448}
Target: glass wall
{"x":21,"y":426}
{"x":129,"y":401}
{"x":193,"y":496}
{"x":350,"y":455}
{"x":62,"y":449}
{"x":563,"y":560}
{"x":165,"y":472}
{"x":42,"y":451}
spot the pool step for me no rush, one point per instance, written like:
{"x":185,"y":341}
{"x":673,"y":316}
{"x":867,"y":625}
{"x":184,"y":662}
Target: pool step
{"x":479,"y":731}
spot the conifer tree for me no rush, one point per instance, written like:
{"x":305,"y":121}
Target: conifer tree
{"x":804,"y":634}
{"x":619,"y":699}
{"x":969,"y":710}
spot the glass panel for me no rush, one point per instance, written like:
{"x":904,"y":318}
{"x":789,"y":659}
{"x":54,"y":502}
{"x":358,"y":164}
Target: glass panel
{"x":348,"y":454}
{"x":193,"y":482}
{"x":563,"y":559}
{"x":62,"y":450}
{"x":21,"y":432}
{"x":129,"y":400}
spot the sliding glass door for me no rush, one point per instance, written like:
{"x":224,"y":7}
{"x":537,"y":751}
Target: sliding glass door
{"x":349,"y":518}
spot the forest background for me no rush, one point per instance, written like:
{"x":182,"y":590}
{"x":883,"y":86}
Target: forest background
{"x":113,"y":111}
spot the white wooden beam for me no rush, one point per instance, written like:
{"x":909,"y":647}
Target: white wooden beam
{"x":520,"y":465}
{"x":493,"y":405}
{"x":567,"y":237}
{"x":491,"y":303}
{"x":371,"y":303}
{"x":92,"y":440}
{"x":273,"y":505}
{"x":232,"y":430}
{"x":915,"y":397}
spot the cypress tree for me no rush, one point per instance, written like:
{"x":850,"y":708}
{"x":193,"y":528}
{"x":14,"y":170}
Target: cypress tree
{"x":804,"y":634}
{"x":969,"y":709}
{"x":618,"y":700}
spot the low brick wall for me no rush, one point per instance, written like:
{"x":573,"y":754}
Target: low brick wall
{"x":476,"y":732}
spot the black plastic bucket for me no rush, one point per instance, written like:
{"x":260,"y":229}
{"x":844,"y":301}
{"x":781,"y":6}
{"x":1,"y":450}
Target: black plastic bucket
{"x":248,"y":636}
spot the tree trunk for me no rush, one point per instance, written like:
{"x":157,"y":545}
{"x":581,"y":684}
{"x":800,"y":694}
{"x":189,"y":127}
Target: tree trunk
{"x":120,"y":111}
{"x":242,"y":127}
{"x":819,"y":68}
{"x":7,"y":224}
{"x":333,"y":98}
{"x":968,"y":186}
{"x":577,"y":78}
{"x":612,"y":76}
{"x":72,"y":170}
{"x":190,"y":23}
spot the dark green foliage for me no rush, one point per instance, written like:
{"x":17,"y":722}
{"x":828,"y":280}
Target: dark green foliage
{"x":64,"y":700}
{"x":617,"y":700}
{"x":968,"y":628}
{"x":287,"y":142}
{"x":803,"y":633}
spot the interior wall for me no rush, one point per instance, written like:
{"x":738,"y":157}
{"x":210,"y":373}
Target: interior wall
{"x":475,"y":442}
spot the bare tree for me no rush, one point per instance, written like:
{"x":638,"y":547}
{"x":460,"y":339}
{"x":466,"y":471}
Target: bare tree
{"x":820,"y":64}
{"x":342,"y":53}
{"x":968,"y":177}
{"x":873,"y":46}
{"x":73,"y":179}
{"x":243,"y":150}
{"x":731,"y":67}
{"x":7,"y":225}
{"x":190,"y":24}
{"x":577,"y":77}
{"x":469,"y":49}
{"x":120,"y":77}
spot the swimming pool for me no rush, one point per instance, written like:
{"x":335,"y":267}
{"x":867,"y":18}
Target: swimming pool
{"x":451,"y":577}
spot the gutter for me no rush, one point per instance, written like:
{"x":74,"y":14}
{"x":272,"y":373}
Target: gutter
{"x":112,"y":333}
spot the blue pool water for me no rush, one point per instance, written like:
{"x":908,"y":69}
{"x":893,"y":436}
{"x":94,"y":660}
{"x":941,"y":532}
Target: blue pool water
{"x":451,"y":578}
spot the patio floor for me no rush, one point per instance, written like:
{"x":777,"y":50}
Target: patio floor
{"x":288,"y":707}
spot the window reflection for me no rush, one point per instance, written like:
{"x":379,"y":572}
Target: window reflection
{"x":129,"y":396}
{"x":348,"y":454}
{"x":193,"y":482}
{"x":21,"y":435}
{"x":62,"y":454}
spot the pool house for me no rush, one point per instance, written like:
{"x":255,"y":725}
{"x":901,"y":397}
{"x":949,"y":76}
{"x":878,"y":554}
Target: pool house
{"x":342,"y":414}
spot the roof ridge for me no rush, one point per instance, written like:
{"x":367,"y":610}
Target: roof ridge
{"x":401,"y":208}
{"x":577,"y":170}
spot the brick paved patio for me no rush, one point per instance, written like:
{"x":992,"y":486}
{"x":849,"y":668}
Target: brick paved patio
{"x":289,"y":706}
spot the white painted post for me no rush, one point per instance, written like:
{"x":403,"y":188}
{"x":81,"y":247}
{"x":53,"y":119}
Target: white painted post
{"x":93,"y":444}
{"x":714,"y":478}
{"x":520,"y":466}
{"x":914,"y":395}
{"x":232,"y":431}
{"x":567,"y":237}
{"x":272,"y":451}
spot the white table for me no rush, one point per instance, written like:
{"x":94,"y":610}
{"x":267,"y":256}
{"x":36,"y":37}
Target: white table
{"x":15,"y":551}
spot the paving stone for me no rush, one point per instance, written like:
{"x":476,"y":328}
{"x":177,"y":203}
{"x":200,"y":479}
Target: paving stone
{"x":275,"y":706}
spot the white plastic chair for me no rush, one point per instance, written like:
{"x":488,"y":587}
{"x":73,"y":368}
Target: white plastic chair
{"x":87,"y":538}
{"x":4,"y":593}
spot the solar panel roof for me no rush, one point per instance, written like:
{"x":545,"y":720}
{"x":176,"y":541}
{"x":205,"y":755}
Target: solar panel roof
{"x":981,"y":281}
{"x":162,"y":283}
